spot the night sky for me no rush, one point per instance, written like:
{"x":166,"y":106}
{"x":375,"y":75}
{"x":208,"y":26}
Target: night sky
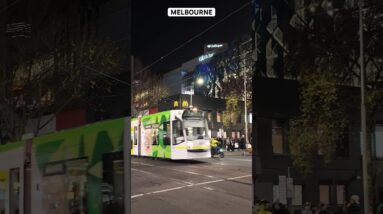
{"x":155,"y":34}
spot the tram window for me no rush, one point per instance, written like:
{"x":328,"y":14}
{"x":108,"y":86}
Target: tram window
{"x":154,"y":137}
{"x":135,"y":136}
{"x":177,"y":132}
{"x":166,"y":135}
{"x":14,"y":192}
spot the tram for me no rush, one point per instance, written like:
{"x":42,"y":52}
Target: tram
{"x":173,"y":134}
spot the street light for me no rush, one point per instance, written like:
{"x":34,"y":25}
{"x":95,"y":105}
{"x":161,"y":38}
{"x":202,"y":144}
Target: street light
{"x":200,"y":81}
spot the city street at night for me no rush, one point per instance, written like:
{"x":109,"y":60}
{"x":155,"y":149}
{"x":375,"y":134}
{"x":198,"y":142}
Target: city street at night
{"x":193,"y":186}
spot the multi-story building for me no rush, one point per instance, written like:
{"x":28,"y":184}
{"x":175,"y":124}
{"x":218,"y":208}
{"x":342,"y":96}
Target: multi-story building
{"x":277,"y":101}
{"x":21,"y":26}
{"x":186,"y":90}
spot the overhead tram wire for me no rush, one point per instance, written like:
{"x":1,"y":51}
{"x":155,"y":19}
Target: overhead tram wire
{"x":116,"y":79}
{"x":174,"y":50}
{"x":8,"y":6}
{"x":177,"y":48}
{"x":193,"y":38}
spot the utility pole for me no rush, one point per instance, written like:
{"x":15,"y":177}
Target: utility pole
{"x":191,"y":95}
{"x":127,"y":147}
{"x":363,"y":115}
{"x":245,"y":93}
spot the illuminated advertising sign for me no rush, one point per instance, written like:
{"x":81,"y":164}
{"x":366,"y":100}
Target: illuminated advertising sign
{"x":215,"y":46}
{"x":205,"y":57}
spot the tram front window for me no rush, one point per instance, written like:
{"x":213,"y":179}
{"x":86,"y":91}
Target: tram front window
{"x":195,"y":130}
{"x":193,"y":133}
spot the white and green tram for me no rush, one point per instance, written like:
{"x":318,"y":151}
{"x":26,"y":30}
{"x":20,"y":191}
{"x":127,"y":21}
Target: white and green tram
{"x":173,"y":134}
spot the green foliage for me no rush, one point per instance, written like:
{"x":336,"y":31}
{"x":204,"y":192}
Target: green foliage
{"x":322,"y":121}
{"x":232,"y":111}
{"x":61,"y":64}
{"x":323,"y":54}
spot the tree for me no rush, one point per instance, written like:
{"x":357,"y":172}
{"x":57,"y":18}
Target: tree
{"x":232,"y":111}
{"x":322,"y":121}
{"x":61,"y":62}
{"x":227,"y":69}
{"x":148,"y":88}
{"x":323,"y":54}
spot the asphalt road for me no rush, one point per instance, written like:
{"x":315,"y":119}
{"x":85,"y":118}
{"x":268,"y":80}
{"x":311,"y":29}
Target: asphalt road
{"x":211,"y":186}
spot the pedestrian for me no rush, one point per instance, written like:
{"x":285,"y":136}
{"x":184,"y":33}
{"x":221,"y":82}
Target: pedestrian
{"x":279,"y":208}
{"x":322,"y":209}
{"x":307,"y":208}
{"x":223,"y":143}
{"x":227,"y":144}
{"x":354,"y":206}
{"x":231,"y":144}
{"x":339,"y":210}
{"x":214,"y":146}
{"x":262,"y":208}
{"x":242,"y":145}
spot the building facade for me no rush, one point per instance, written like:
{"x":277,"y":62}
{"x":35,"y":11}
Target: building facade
{"x":277,"y":98}
{"x":199,"y":82}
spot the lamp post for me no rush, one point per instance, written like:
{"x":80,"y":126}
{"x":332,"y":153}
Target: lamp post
{"x":245,"y":98}
{"x":191,"y":95}
{"x":363,"y":114}
{"x":200,"y":82}
{"x":363,"y":140}
{"x":245,"y":94}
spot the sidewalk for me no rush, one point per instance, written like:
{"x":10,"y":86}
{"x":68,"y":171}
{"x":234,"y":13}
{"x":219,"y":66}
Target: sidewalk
{"x":236,"y":153}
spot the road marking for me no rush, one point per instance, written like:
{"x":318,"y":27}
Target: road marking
{"x":136,"y":196}
{"x":234,"y":178}
{"x":190,"y":185}
{"x":209,"y":188}
{"x":143,"y":171}
{"x":167,"y":190}
{"x":208,"y":182}
{"x":220,"y":164}
{"x":189,"y":172}
{"x":193,"y":173}
{"x":144,"y":164}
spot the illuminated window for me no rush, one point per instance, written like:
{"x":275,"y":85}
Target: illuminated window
{"x":324,"y":194}
{"x":340,"y":194}
{"x":297,"y":195}
{"x":219,"y":115}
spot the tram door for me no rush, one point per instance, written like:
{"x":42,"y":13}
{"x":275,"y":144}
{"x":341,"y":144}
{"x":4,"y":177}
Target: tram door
{"x":14,"y":191}
{"x":136,"y":140}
